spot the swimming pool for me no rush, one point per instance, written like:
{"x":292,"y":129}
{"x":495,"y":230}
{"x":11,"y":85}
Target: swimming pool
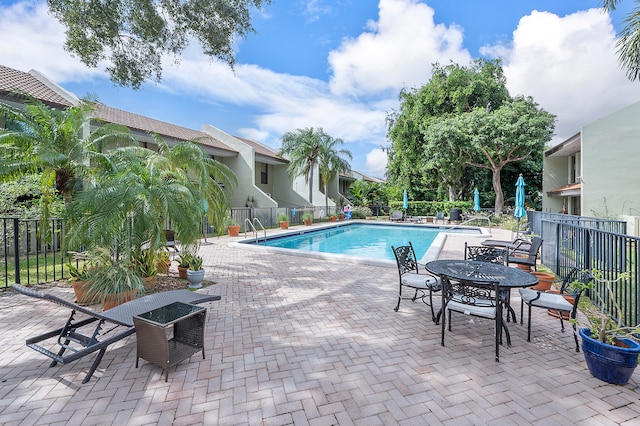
{"x":364,"y":241}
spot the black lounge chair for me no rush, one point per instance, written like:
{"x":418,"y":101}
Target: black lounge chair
{"x":112,"y":325}
{"x":521,"y":244}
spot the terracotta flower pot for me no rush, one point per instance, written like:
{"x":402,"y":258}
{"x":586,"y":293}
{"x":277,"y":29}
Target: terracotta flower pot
{"x":284,"y":225}
{"x":162,"y":266}
{"x":182,"y":272}
{"x":545,"y":280}
{"x":565,"y":315}
{"x":148,"y":282}
{"x":233,"y":230}
{"x":81,"y":289}
{"x":112,"y":300}
{"x":334,"y":218}
{"x":308,"y":222}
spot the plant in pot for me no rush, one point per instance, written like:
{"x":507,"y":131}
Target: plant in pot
{"x":283,"y":219}
{"x":145,"y":261}
{"x":163,"y":262}
{"x":195,"y":273}
{"x":184,"y":261}
{"x":545,"y":278}
{"x":307,"y":218}
{"x":610,"y":348}
{"x":114,"y":281}
{"x":80,"y":276}
{"x":233,"y":229}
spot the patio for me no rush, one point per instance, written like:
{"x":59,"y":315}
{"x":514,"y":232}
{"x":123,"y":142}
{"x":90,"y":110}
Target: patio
{"x":297,"y":340}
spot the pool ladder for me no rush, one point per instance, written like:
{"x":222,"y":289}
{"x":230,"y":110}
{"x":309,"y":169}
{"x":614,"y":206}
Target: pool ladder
{"x":250,"y":224}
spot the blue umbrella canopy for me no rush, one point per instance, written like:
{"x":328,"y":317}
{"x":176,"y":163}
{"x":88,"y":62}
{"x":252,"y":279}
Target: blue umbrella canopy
{"x":476,"y":200}
{"x":405,"y":200}
{"x":520,"y":211}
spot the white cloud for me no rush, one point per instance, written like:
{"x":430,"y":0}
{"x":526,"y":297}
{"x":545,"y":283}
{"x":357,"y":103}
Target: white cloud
{"x":398,"y":51}
{"x":377,"y":162}
{"x":31,"y":39}
{"x":569,"y":65}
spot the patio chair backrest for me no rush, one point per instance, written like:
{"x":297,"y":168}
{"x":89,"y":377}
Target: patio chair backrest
{"x":405,"y":259}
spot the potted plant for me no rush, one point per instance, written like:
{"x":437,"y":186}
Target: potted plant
{"x":145,"y":262}
{"x":233,"y":229}
{"x":195,"y":273}
{"x":333,"y":218}
{"x":114,"y":281}
{"x":184,"y":260}
{"x":80,"y":279}
{"x":163,"y":262}
{"x":283,"y":219}
{"x":307,"y":218}
{"x":610,"y":348}
{"x":340,"y":215}
{"x":545,"y":278}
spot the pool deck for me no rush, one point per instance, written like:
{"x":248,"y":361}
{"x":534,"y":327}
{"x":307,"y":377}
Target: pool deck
{"x":303,"y":341}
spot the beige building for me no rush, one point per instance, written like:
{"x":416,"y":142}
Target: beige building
{"x":262,"y":175}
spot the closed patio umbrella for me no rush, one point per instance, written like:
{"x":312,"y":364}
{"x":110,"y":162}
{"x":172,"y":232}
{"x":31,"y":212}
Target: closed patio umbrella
{"x":476,"y":200}
{"x":405,"y":202}
{"x":520,"y":211}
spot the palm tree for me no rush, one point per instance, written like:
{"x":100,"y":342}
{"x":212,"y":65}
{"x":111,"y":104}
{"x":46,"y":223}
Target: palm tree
{"x":628,"y":44}
{"x":56,"y":144}
{"x":331,"y":163}
{"x":302,"y":147}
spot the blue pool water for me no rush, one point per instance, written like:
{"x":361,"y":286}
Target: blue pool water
{"x":371,"y":241}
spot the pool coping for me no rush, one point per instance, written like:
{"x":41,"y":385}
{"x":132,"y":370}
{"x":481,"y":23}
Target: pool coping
{"x":432,"y":253}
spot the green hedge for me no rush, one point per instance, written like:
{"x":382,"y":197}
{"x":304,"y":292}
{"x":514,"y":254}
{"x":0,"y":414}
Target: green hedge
{"x":430,"y":208}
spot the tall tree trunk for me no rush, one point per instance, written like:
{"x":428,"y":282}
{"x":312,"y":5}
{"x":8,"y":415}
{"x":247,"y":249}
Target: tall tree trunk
{"x":311,"y":186}
{"x":326,"y":198}
{"x":452,"y":193}
{"x":495,"y":180}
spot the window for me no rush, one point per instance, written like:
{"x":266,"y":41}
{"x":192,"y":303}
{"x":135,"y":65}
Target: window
{"x":264,"y":174}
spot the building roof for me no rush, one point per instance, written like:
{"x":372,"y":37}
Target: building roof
{"x":34,"y":84}
{"x":263,"y":151}
{"x":566,"y":190}
{"x":146,"y":124}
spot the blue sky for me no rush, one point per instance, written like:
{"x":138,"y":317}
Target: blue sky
{"x":340,"y":65}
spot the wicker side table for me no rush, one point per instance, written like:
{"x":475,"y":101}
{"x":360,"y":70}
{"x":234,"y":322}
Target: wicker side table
{"x":153,"y":330}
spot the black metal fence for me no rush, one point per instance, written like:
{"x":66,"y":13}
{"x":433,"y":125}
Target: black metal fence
{"x":27,"y":256}
{"x":594,"y":244}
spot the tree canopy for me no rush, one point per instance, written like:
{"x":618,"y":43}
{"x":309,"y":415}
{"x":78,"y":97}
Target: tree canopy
{"x":464,"y":116}
{"x":134,"y":35}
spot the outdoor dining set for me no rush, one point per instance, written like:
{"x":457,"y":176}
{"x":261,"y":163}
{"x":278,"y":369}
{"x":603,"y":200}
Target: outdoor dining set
{"x":481,"y":284}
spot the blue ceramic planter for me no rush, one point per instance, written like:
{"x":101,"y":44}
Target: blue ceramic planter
{"x":612,"y":364}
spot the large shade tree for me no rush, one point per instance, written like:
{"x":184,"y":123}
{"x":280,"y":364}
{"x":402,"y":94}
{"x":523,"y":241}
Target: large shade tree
{"x":135,"y":35}
{"x":419,"y":155}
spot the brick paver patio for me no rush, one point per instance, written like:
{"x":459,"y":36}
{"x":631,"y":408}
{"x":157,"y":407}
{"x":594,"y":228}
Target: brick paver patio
{"x":304,"y":341}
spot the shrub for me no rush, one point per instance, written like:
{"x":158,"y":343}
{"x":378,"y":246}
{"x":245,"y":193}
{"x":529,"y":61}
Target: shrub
{"x":361,"y":212}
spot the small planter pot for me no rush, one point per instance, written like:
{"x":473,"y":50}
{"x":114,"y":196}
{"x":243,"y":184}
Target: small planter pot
{"x":162,"y":266}
{"x":545,"y":280}
{"x":340,"y":217}
{"x":81,"y":289}
{"x":112,"y":300}
{"x":182,"y":272}
{"x":233,"y":230}
{"x":555,"y":314}
{"x":612,"y":364}
{"x":284,"y":225}
{"x":308,"y":222}
{"x":334,"y":218}
{"x":148,"y":282}
{"x":195,"y":278}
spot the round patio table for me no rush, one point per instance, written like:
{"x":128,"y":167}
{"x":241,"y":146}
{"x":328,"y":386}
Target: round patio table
{"x":474,"y":270}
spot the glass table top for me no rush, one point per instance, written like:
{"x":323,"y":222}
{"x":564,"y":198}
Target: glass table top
{"x":170,"y":313}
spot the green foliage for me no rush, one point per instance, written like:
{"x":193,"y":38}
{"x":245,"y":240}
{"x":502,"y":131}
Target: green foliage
{"x":111,"y":275}
{"x":282,"y":218}
{"x":306,"y":148}
{"x":185,"y":259}
{"x":628,"y":44}
{"x":464,"y":116}
{"x":365,"y":193}
{"x":307,"y":216}
{"x":21,"y":197}
{"x":430,"y":208}
{"x":135,"y":35}
{"x":361,"y":212}
{"x":196,"y":263}
{"x":145,"y":261}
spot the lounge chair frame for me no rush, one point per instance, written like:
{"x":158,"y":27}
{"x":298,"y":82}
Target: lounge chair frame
{"x":112,"y":325}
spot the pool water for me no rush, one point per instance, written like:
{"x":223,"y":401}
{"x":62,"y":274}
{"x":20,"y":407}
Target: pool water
{"x":360,"y":240}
